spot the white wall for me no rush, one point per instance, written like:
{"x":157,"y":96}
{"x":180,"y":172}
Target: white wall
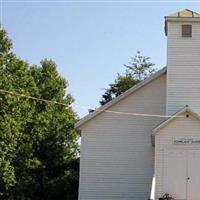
{"x":180,"y":128}
{"x":183,"y":68}
{"x":117,"y":157}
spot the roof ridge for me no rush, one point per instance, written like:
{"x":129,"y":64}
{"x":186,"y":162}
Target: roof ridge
{"x":191,"y":11}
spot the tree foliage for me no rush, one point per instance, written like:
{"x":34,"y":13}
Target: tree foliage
{"x":38,"y":142}
{"x":137,"y":70}
{"x":120,"y":85}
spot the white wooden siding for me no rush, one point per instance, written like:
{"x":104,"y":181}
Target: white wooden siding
{"x":117,"y":157}
{"x":183,"y":68}
{"x":180,"y":127}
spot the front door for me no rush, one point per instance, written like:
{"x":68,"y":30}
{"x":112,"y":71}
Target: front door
{"x":193,"y":183}
{"x":182,"y":174}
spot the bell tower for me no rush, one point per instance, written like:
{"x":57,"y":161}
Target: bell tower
{"x":183,"y":60}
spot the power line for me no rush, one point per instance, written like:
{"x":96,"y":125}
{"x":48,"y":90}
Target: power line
{"x":143,"y":114}
{"x":31,"y":97}
{"x":108,"y":111}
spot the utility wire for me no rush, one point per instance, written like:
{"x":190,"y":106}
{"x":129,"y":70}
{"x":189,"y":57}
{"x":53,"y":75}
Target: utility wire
{"x":108,"y":111}
{"x":31,"y":97}
{"x":142,"y":114}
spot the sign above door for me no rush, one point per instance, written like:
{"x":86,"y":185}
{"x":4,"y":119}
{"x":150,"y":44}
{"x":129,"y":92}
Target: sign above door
{"x":186,"y":141}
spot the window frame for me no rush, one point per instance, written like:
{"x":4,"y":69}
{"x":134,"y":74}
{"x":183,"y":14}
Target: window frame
{"x":186,"y":30}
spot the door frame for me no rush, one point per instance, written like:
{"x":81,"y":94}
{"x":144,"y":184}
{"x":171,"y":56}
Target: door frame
{"x":187,"y":149}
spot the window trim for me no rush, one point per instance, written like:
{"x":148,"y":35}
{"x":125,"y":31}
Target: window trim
{"x":186,"y":30}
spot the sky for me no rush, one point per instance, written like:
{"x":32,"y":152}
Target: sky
{"x":90,"y":41}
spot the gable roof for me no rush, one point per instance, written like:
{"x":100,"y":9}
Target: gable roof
{"x":120,"y":97}
{"x":186,"y":109}
{"x":185,"y":13}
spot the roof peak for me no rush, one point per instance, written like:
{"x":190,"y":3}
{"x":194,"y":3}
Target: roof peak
{"x":180,"y":113}
{"x":184,"y":13}
{"x":120,"y":97}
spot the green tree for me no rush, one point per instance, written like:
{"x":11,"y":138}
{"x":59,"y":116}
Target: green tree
{"x":38,"y":142}
{"x":137,"y":70}
{"x":120,"y":85}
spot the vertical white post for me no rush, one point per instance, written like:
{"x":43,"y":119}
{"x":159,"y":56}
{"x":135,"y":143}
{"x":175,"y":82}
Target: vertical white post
{"x":153,"y":188}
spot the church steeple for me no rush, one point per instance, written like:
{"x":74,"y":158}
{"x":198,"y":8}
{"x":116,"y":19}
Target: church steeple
{"x":183,"y":60}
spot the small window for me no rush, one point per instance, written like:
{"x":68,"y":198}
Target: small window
{"x":186,"y":30}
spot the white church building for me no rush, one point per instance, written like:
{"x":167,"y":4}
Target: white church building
{"x":146,"y":142}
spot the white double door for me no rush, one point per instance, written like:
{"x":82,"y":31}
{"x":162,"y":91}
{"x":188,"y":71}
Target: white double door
{"x":181,"y":174}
